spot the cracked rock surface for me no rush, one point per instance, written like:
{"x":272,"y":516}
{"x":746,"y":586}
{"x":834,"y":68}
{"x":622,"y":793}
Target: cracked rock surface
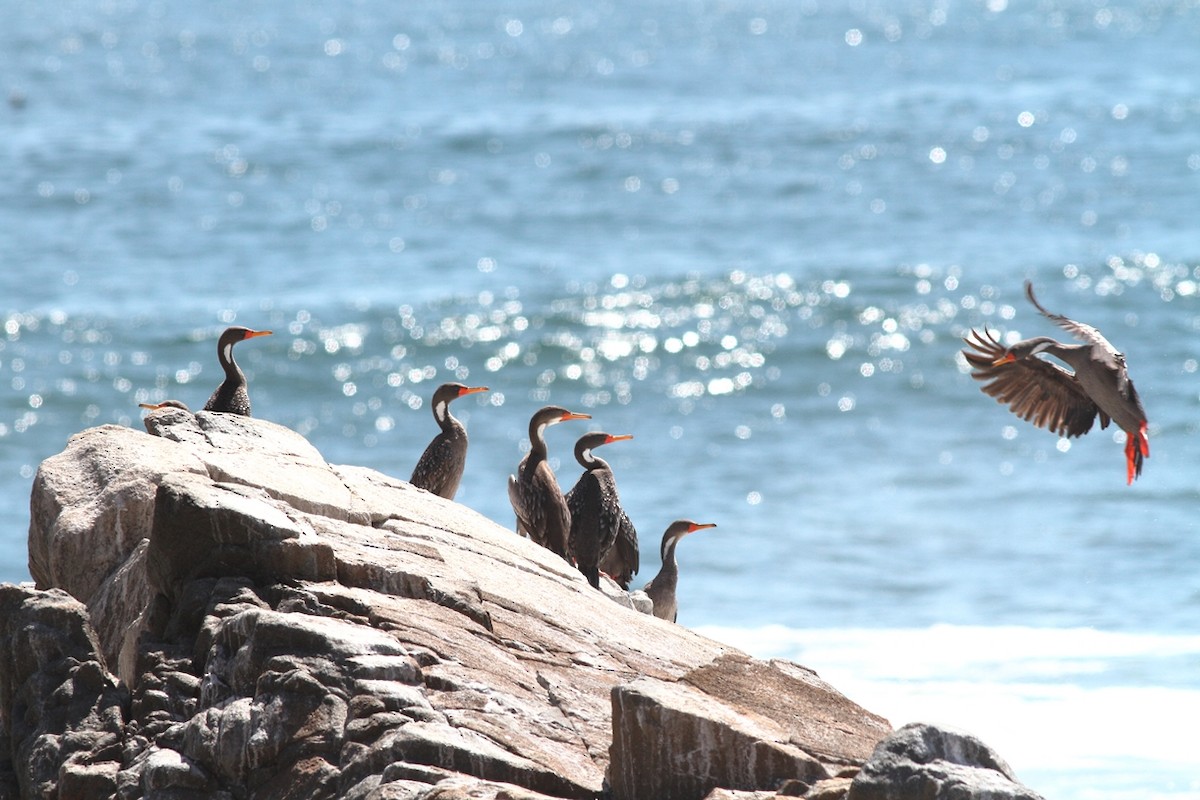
{"x":219,"y":613}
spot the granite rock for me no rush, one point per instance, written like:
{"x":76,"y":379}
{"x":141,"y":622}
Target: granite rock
{"x":280,"y":627}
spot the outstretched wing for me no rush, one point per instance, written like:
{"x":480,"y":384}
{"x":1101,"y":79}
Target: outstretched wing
{"x":1035,"y":390}
{"x":1080,"y":330}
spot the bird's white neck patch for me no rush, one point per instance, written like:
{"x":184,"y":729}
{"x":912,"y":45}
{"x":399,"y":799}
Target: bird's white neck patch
{"x":541,"y":431}
{"x":669,"y":544}
{"x":587,"y":456}
{"x":229,"y":353}
{"x":439,"y":411}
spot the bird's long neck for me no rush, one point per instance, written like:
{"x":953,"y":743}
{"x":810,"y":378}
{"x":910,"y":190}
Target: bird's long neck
{"x":668,"y":553}
{"x":225,"y":356}
{"x":1072,"y":354}
{"x":445,"y":420}
{"x":590,"y":461}
{"x":668,"y":574}
{"x":537,"y":441}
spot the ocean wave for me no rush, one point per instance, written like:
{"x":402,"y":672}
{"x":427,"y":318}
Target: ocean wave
{"x":1083,"y":710}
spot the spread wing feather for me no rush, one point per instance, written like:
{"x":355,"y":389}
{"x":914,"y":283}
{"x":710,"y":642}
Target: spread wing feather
{"x":1035,"y":390}
{"x":1080,"y":330}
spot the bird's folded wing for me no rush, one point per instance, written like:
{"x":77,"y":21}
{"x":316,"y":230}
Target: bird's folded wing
{"x":518,"y":505}
{"x":1035,"y":390}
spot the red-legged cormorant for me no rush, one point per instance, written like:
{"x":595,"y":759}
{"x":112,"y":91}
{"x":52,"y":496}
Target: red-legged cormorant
{"x":440,"y":468}
{"x":595,"y":507}
{"x":661,"y":588}
{"x":537,"y":501}
{"x":1051,"y":397}
{"x":231,"y":396}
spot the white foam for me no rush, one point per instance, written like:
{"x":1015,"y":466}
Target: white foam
{"x":1076,"y":708}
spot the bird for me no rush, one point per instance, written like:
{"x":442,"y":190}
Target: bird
{"x":621,"y":562}
{"x":231,"y":396}
{"x":151,"y":427}
{"x":595,"y":507}
{"x":165,"y":404}
{"x":542,"y":513}
{"x":1059,"y":400}
{"x":440,"y":468}
{"x":661,"y":587}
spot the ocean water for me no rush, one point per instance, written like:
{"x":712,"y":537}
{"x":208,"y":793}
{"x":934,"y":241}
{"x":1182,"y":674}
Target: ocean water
{"x":752,"y":234}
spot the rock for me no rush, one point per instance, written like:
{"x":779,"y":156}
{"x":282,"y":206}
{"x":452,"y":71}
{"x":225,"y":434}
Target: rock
{"x":924,"y":762}
{"x":832,"y":789}
{"x":63,"y":713}
{"x":673,"y":739}
{"x":285,"y":628}
{"x":88,"y":780}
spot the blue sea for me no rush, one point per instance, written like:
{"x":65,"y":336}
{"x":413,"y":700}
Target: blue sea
{"x":752,"y":233}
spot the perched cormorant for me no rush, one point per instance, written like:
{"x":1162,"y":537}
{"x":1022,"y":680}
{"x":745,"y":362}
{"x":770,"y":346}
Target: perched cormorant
{"x":621,"y":562}
{"x":440,"y":467}
{"x":661,"y":588}
{"x":1060,"y":401}
{"x":231,"y":396}
{"x":151,"y":428}
{"x":165,"y":404}
{"x":595,"y":507}
{"x":537,"y":501}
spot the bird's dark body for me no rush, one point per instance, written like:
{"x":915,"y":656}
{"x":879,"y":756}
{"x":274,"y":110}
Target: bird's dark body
{"x":541,"y":510}
{"x":440,"y":468}
{"x":622,"y":561}
{"x":231,"y":398}
{"x":595,"y":519}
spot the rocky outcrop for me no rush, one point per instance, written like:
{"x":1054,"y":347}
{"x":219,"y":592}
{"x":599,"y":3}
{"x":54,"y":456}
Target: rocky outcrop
{"x":286,"y":628}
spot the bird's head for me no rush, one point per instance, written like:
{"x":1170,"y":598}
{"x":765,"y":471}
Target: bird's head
{"x":451,"y":391}
{"x":552,"y":415}
{"x":590,"y":441}
{"x":164,"y":404}
{"x":1024,"y":349}
{"x":679,"y":529}
{"x":238,"y":333}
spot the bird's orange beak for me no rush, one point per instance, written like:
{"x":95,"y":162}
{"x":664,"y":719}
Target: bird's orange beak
{"x":573,"y":415}
{"x":699,"y":527}
{"x":252,"y":334}
{"x":471,"y":390}
{"x":622,"y":438}
{"x":1007,"y":358}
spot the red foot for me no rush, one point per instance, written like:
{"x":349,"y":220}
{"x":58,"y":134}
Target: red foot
{"x":1137,"y":448}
